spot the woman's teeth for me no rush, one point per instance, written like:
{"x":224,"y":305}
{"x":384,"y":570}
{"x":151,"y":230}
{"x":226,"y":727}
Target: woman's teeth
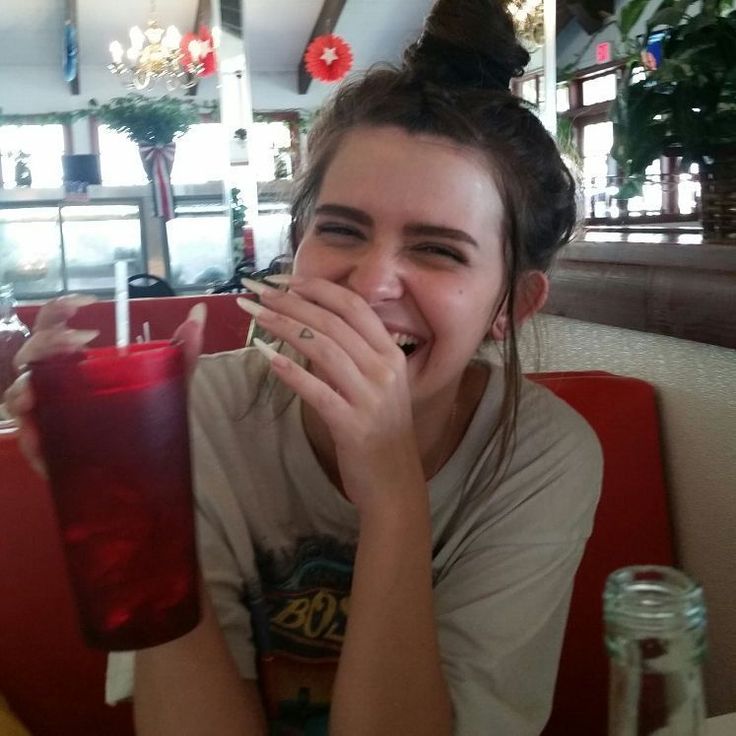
{"x":406,"y":342}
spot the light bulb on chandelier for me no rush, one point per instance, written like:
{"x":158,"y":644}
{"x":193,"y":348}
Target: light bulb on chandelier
{"x":528,"y":17}
{"x":157,"y":54}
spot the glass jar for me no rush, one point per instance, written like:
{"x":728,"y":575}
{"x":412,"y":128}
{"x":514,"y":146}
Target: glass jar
{"x":13,"y":333}
{"x":655,"y":637}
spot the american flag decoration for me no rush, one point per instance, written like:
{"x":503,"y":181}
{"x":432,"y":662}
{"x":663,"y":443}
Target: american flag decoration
{"x":158,"y":161}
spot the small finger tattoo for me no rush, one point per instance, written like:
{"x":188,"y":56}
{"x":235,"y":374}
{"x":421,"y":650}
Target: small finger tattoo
{"x":307,"y":334}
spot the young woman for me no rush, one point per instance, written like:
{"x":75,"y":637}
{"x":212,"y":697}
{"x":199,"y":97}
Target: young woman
{"x":389,"y":524}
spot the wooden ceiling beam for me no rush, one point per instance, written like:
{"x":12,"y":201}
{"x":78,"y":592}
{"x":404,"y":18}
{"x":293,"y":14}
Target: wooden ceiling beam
{"x":590,"y":14}
{"x":326,"y":22}
{"x":203,"y":17}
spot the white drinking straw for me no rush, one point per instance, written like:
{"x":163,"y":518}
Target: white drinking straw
{"x":122,"y":316}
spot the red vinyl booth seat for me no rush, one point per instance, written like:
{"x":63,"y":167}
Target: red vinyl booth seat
{"x":56,"y":685}
{"x":632,"y":526}
{"x":226,"y":329}
{"x":53,"y":682}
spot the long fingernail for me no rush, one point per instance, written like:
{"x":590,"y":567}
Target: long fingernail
{"x":198,"y":313}
{"x":281,"y":279}
{"x":250,"y":306}
{"x":80,"y":337}
{"x":38,"y":466}
{"x":266,"y":350}
{"x":255,"y":286}
{"x":79,"y":300}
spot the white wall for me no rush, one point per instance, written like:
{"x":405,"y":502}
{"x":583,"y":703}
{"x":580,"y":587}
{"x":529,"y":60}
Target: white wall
{"x":38,"y":89}
{"x":278,"y":91}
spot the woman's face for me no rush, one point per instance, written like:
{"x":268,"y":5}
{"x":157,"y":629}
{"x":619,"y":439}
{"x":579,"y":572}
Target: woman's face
{"x":413,"y":223}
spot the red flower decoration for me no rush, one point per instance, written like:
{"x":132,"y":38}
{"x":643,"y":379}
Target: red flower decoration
{"x":328,"y":58}
{"x":208,"y":59}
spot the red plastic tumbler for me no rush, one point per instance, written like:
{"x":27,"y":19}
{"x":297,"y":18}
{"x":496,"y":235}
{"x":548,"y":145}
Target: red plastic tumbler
{"x":114,"y":435}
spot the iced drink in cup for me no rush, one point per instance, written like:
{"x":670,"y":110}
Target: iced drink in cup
{"x":114,"y":435}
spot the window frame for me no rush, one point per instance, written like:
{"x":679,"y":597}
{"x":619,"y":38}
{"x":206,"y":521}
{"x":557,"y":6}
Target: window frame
{"x":293,"y":121}
{"x":582,"y":115}
{"x":66,"y":130}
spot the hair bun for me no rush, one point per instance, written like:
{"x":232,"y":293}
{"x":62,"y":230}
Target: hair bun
{"x":468,"y":43}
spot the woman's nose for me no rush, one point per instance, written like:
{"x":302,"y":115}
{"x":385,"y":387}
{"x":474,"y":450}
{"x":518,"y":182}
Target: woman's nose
{"x":375,"y":275}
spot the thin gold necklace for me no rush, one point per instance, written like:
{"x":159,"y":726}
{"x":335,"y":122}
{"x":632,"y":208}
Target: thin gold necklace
{"x":443,"y":455}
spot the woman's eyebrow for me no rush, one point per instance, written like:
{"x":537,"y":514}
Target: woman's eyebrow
{"x":350,"y":213}
{"x":438,"y":231}
{"x":422,"y":229}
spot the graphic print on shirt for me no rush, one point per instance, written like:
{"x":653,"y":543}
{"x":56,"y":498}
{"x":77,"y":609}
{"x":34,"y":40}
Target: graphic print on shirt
{"x":299,"y":609}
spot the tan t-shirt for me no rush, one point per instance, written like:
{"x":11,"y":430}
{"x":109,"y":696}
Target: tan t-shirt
{"x":277,"y":543}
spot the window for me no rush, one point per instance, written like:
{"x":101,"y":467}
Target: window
{"x":38,"y":148}
{"x":649,"y":202}
{"x":119,"y":159}
{"x":199,"y":243}
{"x":688,"y":190}
{"x":531,"y":89}
{"x":585,"y":101}
{"x":271,"y":150}
{"x":201,"y":156}
{"x":599,"y":89}
{"x":563,"y":98}
{"x":597,"y":167}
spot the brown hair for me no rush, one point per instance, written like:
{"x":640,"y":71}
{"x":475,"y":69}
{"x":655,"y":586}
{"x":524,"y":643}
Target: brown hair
{"x":454,"y":83}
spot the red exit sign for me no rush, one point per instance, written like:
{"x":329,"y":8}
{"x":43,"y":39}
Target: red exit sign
{"x":603,"y":52}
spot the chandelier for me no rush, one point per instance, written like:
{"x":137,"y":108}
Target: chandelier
{"x":528,"y":17}
{"x":157,"y":54}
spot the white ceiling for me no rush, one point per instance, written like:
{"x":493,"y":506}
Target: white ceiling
{"x":277,"y":31}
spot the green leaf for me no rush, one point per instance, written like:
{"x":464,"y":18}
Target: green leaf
{"x":666,"y":17}
{"x":151,"y":120}
{"x":632,"y":187}
{"x":630,"y":14}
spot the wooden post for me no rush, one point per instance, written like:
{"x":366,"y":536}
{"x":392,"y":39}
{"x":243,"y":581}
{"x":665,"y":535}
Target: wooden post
{"x":201,"y":17}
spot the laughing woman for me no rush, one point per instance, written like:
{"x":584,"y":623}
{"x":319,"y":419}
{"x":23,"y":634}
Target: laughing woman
{"x":390,"y":524}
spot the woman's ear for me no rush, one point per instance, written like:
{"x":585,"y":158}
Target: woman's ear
{"x":532,"y":290}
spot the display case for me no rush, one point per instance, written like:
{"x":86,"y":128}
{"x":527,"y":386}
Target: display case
{"x":50,"y":245}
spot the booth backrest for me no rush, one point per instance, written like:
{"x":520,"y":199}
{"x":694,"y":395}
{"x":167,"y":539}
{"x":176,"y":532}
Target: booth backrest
{"x":632,"y":526}
{"x":56,"y":685}
{"x":52,"y":681}
{"x":226,"y":328}
{"x":695,"y":388}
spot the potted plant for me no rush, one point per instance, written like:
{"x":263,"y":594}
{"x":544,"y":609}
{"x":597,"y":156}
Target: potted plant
{"x":683,"y":104}
{"x":153,"y":123}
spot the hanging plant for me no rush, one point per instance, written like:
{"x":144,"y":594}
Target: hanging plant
{"x":44,"y":118}
{"x":153,"y":123}
{"x":329,"y":58}
{"x":148,"y":120}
